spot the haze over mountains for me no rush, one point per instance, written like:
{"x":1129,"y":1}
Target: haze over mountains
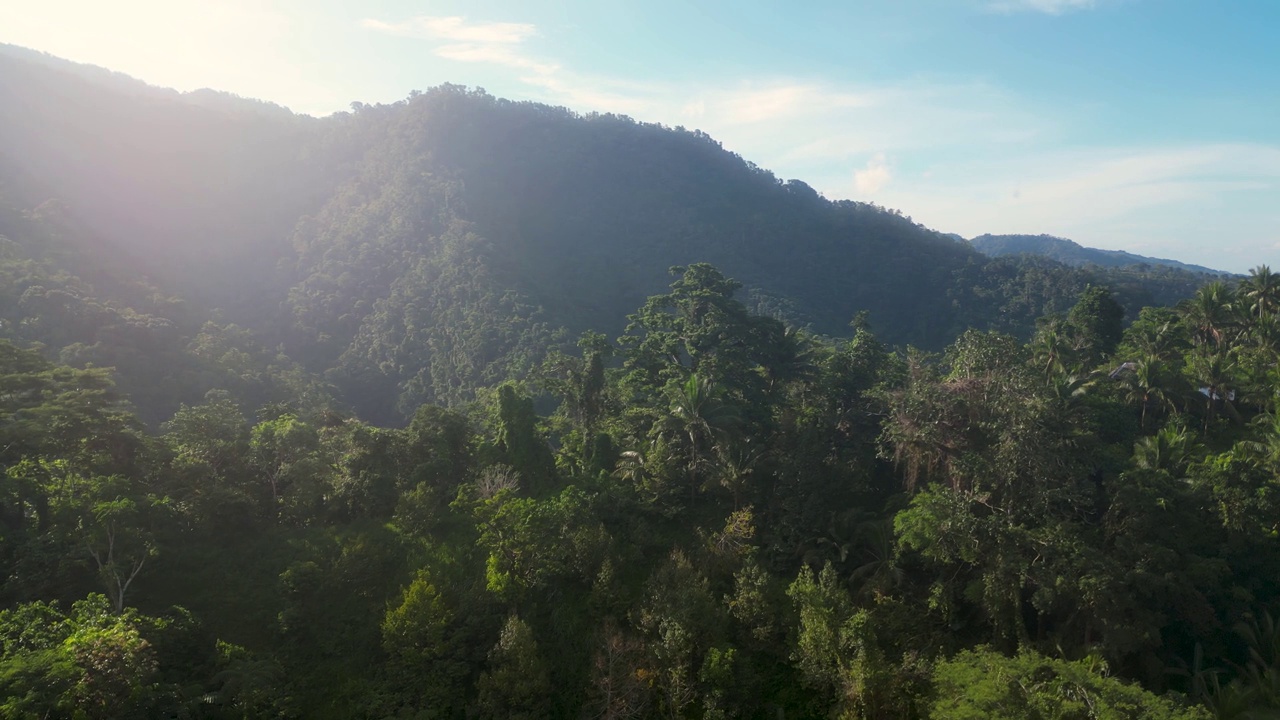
{"x":404,"y":413}
{"x":416,"y":251}
{"x":1071,"y":253}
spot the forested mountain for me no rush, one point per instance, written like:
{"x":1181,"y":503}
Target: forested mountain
{"x":416,"y":251}
{"x":1072,"y":253}
{"x":404,"y":413}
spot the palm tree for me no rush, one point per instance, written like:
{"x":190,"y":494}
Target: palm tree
{"x":1266,"y":333}
{"x":1260,"y":676}
{"x":1261,"y":291}
{"x":878,"y":551}
{"x":1213,"y":372}
{"x":1157,"y":340}
{"x":736,"y":463}
{"x":1169,"y":449}
{"x":1148,"y":384}
{"x":1210,"y":314}
{"x":1264,"y":446}
{"x":702,"y":417}
{"x":1052,"y":349}
{"x":1260,"y":297}
{"x":630,"y":467}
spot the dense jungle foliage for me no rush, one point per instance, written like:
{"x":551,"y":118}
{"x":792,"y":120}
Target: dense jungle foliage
{"x":721,"y":517}
{"x":399,"y":413}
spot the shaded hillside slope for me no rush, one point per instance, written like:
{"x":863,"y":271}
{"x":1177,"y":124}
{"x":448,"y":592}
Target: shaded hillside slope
{"x":88,"y":308}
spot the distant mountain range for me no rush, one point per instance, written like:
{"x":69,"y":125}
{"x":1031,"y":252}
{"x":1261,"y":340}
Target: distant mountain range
{"x":417,"y":251}
{"x":1072,"y":253}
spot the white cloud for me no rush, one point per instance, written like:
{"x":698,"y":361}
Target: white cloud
{"x":1091,"y":186}
{"x":497,"y":43}
{"x":694,"y":109}
{"x":1050,"y":7}
{"x":872,"y":178}
{"x":816,"y":130}
{"x":756,"y":103}
{"x":496,"y":54}
{"x":584,"y":93}
{"x":455,"y":29}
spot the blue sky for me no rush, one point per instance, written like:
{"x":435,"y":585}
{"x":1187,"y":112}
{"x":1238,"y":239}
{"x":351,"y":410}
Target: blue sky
{"x":1146,"y":125}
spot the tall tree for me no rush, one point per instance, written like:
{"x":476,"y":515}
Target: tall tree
{"x":1097,"y":322}
{"x":1261,"y":291}
{"x":517,"y":683}
{"x":699,"y":328}
{"x":1211,"y":314}
{"x":703,"y":419}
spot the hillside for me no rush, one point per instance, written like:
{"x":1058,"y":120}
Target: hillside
{"x":403,"y":413}
{"x":414,"y":252}
{"x":1072,"y":253}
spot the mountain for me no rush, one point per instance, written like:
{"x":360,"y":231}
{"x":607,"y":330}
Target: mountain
{"x":714,"y":515}
{"x":414,"y":252}
{"x":1072,"y":253}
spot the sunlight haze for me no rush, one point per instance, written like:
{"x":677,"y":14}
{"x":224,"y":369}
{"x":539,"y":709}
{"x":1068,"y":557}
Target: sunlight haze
{"x":1142,"y":125}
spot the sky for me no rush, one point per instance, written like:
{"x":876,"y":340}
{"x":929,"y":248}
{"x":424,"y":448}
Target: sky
{"x":1151,"y":126}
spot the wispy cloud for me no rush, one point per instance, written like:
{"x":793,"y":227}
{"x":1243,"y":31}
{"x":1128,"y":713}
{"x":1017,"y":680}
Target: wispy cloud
{"x":1050,"y":7}
{"x":751,"y":104}
{"x":455,"y":29}
{"x":498,"y":43}
{"x":1088,"y":186}
{"x":824,"y":133}
{"x":871,"y":179}
{"x":593,"y":93}
{"x":496,"y":54}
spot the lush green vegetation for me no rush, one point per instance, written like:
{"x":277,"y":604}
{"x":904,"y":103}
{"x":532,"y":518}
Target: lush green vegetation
{"x":398,"y":413}
{"x":721,"y":517}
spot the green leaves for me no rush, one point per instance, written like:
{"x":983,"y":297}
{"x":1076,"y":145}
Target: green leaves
{"x":531,"y":543}
{"x":89,"y":663}
{"x":699,"y":329}
{"x":107,"y":520}
{"x":517,"y":681}
{"x":429,"y":649}
{"x":1035,"y":516}
{"x":983,"y":684}
{"x":62,"y":412}
{"x":1097,"y":321}
{"x":824,"y":609}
